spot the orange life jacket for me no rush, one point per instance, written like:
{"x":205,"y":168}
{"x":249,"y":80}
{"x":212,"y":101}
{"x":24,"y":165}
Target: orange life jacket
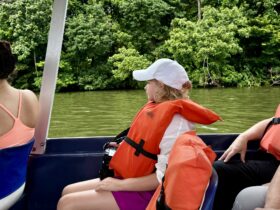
{"x":187,"y":175}
{"x":137,"y":154}
{"x":271,"y":139}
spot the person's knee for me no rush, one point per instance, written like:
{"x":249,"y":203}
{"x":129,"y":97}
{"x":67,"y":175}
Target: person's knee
{"x":241,"y":200}
{"x":66,"y":190}
{"x":250,"y":198}
{"x":65,"y":203}
{"x":227,"y":170}
{"x":221,"y":169}
{"x":219,"y":165}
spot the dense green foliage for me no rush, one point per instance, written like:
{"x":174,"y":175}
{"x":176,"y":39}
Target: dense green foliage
{"x":220,"y":43}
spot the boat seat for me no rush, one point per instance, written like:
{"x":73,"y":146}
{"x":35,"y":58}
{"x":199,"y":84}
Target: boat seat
{"x":49,"y":173}
{"x":13,"y":167}
{"x":210,"y":192}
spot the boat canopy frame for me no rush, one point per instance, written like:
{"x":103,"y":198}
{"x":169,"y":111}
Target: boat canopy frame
{"x":47,"y":91}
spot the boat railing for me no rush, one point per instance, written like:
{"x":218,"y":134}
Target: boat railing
{"x":70,"y":160}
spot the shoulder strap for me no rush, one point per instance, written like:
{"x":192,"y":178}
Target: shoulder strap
{"x":161,"y":205}
{"x":274,"y":121}
{"x":8,"y":111}
{"x":118,"y":139}
{"x":19,"y":107}
{"x":120,"y":136}
{"x":19,"y":103}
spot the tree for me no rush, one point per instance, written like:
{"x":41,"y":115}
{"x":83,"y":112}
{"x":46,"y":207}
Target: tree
{"x":126,"y":61}
{"x":146,"y":21}
{"x":89,"y":37}
{"x":206,"y":47}
{"x":25,"y":23}
{"x":220,"y":43}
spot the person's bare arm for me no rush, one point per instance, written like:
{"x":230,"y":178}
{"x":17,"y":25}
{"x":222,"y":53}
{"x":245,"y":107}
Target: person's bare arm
{"x":256,"y":131}
{"x":240,"y":143}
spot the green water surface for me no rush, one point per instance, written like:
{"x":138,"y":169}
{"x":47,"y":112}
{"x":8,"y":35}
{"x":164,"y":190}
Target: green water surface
{"x":99,"y":113}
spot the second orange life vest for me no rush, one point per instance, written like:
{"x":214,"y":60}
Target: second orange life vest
{"x":187,"y":175}
{"x":271,"y":139}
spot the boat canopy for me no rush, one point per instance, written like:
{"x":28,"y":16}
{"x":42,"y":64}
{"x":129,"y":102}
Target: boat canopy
{"x":51,"y":66}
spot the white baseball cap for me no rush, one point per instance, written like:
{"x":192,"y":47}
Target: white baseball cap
{"x":165,"y":70}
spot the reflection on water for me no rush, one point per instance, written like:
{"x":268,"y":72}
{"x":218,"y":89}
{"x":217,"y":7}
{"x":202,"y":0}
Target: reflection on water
{"x":99,"y":113}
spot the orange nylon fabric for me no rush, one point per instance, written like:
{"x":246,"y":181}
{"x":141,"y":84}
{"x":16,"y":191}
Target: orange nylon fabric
{"x":150,"y":124}
{"x":20,"y":133}
{"x":271,"y":140}
{"x":187,"y":175}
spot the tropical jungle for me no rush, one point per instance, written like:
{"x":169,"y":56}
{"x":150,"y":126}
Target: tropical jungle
{"x":221,"y":43}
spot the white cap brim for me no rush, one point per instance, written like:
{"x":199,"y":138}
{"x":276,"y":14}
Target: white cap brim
{"x":142,"y":75}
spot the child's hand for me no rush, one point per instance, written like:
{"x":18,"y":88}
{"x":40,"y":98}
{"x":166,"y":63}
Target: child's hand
{"x":109,"y":184}
{"x":113,"y":144}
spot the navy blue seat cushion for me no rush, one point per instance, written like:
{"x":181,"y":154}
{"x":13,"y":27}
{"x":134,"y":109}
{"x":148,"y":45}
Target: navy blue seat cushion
{"x":210,"y":192}
{"x":13,"y":165}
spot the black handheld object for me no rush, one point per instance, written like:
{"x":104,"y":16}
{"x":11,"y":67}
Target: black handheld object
{"x":109,"y":152}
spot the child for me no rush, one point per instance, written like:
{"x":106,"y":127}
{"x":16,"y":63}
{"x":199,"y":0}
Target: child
{"x":140,"y":160}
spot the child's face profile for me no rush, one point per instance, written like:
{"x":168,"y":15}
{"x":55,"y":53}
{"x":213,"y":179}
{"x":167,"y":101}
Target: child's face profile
{"x":152,"y":87}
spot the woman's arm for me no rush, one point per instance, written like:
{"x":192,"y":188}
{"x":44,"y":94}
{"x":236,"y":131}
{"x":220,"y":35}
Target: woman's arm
{"x":256,"y":131}
{"x":240,"y":143}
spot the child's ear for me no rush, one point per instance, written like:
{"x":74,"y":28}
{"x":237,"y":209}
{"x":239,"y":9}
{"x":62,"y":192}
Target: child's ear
{"x":161,"y":85}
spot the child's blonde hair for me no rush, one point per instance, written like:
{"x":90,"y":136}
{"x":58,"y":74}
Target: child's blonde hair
{"x":166,"y":93}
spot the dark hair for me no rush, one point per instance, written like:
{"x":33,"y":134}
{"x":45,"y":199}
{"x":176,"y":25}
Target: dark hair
{"x":7,"y":60}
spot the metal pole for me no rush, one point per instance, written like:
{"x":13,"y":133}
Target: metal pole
{"x":50,"y":74}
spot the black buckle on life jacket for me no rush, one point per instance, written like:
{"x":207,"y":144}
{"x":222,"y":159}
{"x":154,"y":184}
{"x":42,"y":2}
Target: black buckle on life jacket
{"x":275,"y":120}
{"x":139,"y":148}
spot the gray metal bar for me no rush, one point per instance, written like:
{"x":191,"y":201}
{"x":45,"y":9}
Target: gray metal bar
{"x":50,"y":74}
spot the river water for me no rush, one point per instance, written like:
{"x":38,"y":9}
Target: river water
{"x":98,"y":113}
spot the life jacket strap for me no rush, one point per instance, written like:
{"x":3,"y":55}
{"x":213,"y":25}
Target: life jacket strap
{"x":139,"y":148}
{"x":161,"y":205}
{"x":275,"y":120}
